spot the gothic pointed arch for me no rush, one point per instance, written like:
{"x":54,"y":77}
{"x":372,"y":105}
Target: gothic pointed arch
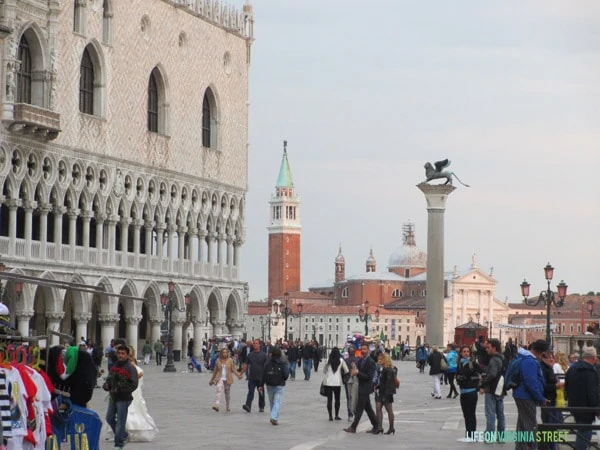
{"x":92,"y":80}
{"x":158,"y":104}
{"x":29,"y":85}
{"x":210,"y":119}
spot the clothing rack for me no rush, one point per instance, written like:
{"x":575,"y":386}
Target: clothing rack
{"x":66,"y":337}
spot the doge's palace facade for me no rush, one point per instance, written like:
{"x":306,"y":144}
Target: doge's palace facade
{"x":123,"y":164}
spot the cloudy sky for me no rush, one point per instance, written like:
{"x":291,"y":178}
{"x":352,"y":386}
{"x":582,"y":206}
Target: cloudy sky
{"x":367,"y":91}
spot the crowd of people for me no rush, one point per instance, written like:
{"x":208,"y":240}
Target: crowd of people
{"x":534,"y":375}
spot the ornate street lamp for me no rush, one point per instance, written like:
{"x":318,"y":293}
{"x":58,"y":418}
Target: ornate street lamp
{"x":364,"y":316}
{"x":590,"y":307}
{"x":288,"y":312}
{"x":547,"y":297}
{"x":169,"y":302}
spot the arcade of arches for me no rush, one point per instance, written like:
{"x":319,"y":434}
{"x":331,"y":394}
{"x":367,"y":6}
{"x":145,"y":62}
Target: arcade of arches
{"x":212,"y":311}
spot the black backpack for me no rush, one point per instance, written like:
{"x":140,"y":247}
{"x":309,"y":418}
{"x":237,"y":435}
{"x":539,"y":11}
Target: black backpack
{"x":273,"y":375}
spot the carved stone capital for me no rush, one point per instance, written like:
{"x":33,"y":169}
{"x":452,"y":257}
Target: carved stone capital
{"x":29,"y":205}
{"x":182,"y":230}
{"x":192,"y":231}
{"x":24,"y":315}
{"x":161,"y":226}
{"x":222,"y":237}
{"x":86,"y":216}
{"x":14,"y":203}
{"x":177,"y":320}
{"x":60,"y":210}
{"x":239,"y":242}
{"x":149,"y":225}
{"x":55,"y":316}
{"x":73,"y":213}
{"x":133,"y":320}
{"x":45,"y":208}
{"x":211,"y":236}
{"x":157,"y":320}
{"x":82,"y":317}
{"x":137,"y":223}
{"x":202,"y":234}
{"x":108,"y":318}
{"x":171,"y":228}
{"x":229,"y":240}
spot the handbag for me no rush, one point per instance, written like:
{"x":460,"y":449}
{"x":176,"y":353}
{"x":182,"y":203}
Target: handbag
{"x":560,"y":398}
{"x":443,"y":364}
{"x":396,"y":381}
{"x":499,"y":392}
{"x":322,"y":390}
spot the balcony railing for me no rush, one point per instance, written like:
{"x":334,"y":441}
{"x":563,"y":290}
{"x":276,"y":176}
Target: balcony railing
{"x":93,"y":257}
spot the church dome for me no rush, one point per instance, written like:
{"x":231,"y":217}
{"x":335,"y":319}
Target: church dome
{"x":371,"y":259}
{"x":409,"y":255}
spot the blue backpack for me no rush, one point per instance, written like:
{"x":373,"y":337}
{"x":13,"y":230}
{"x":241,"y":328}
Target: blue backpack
{"x":512,"y":377}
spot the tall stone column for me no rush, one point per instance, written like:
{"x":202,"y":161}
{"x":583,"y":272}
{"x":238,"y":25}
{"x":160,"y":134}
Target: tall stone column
{"x":178,"y":334}
{"x":198,"y":337}
{"x":100,"y":236}
{"x":29,"y":207}
{"x":73,"y":213}
{"x":229,"y":241}
{"x":112,"y":238}
{"x":58,"y":219}
{"x":160,"y":236}
{"x":81,"y":323}
{"x":44,"y":210}
{"x":192,"y":234}
{"x":156,"y":322}
{"x":201,"y":243}
{"x":181,"y":231}
{"x":435,"y":196}
{"x":148,"y":227}
{"x":107,"y":327}
{"x":132,"y":331}
{"x":53,"y":323}
{"x":237,"y":330}
{"x":23,"y":318}
{"x":137,"y":224}
{"x":124,"y":224}
{"x":210,"y":238}
{"x":86,"y":217}
{"x":237,"y":254}
{"x":171,"y":245}
{"x":13,"y":205}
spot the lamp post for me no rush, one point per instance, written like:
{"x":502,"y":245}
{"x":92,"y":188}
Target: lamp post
{"x":364,"y":316}
{"x":590,"y":307}
{"x":169,"y":302}
{"x":266,"y":322}
{"x":547,"y":297}
{"x":289,"y":313}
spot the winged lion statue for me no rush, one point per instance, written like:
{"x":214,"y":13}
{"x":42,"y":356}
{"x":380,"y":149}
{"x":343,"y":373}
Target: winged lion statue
{"x":438,"y":170}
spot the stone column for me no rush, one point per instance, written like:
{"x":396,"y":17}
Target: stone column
{"x":100,"y":237}
{"x":137,"y":224}
{"x":229,"y":241}
{"x":237,"y":330}
{"x":453,"y":323}
{"x":58,"y":218}
{"x":210,"y":238}
{"x":491,"y":310}
{"x":44,"y":210}
{"x":201,"y":243}
{"x":13,"y":205}
{"x":23,"y":318}
{"x":132,"y":331}
{"x":181,"y":231}
{"x":53,"y":323}
{"x":435,"y":196}
{"x":192,"y":233}
{"x":29,"y":206}
{"x":72,"y":213}
{"x":220,"y":250}
{"x":81,"y":323}
{"x":107,"y":327}
{"x":86,"y":216}
{"x":160,"y":235}
{"x":124,"y":224}
{"x":112,"y":238}
{"x":464,"y":299}
{"x":237,"y":252}
{"x":480,"y":305}
{"x":171,"y":245}
{"x":156,"y":322}
{"x":148,"y":227}
{"x":177,"y":334}
{"x":198,"y":337}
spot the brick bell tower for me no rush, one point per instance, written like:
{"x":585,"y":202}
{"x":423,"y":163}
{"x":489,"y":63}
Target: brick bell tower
{"x":284,"y":234}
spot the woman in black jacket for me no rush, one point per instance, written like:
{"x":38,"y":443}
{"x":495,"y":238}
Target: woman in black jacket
{"x":468,"y":376}
{"x":384,"y":393}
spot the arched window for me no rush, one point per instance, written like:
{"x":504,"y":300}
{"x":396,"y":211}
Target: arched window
{"x":205,"y":122}
{"x":86,"y":84}
{"x":396,"y":293}
{"x":345,"y":292}
{"x":152,"y":104}
{"x":24,"y":72}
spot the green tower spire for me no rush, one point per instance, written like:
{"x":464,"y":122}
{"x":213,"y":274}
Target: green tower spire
{"x":285,"y":173}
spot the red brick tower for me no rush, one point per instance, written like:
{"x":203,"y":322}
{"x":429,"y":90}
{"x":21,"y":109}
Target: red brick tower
{"x":340,"y":266}
{"x":284,"y":234}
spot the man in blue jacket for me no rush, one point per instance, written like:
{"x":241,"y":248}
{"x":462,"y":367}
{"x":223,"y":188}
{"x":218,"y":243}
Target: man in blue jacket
{"x":530,"y":391}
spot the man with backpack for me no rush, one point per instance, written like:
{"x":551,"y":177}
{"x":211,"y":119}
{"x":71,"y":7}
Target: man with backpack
{"x":529,"y":389}
{"x":494,"y":395}
{"x":275,"y":372}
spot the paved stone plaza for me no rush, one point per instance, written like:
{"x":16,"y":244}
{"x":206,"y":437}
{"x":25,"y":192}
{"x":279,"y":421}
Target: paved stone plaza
{"x":180,"y":403}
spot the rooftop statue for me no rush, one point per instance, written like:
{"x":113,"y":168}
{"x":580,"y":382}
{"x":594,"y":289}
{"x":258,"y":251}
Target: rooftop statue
{"x":441,"y":171}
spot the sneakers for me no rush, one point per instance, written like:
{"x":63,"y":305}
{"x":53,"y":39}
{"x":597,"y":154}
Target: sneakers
{"x":216,"y":408}
{"x":273,"y":422}
{"x":261,"y":410}
{"x":246,"y":408}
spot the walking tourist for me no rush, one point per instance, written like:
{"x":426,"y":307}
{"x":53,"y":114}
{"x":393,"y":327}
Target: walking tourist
{"x":494,"y":399}
{"x":334,"y":370}
{"x":384,"y":393}
{"x":468,"y":376}
{"x":253,"y":367}
{"x":275,"y":372}
{"x":223,"y":378}
{"x":364,"y":371}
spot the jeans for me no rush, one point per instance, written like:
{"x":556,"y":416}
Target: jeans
{"x":494,"y":410}
{"x":116,"y":417}
{"x":552,"y":417}
{"x":293,"y":365}
{"x":275,"y":399}
{"x":333,"y":391}
{"x":252,"y":385}
{"x":307,"y":367}
{"x":158,"y":358}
